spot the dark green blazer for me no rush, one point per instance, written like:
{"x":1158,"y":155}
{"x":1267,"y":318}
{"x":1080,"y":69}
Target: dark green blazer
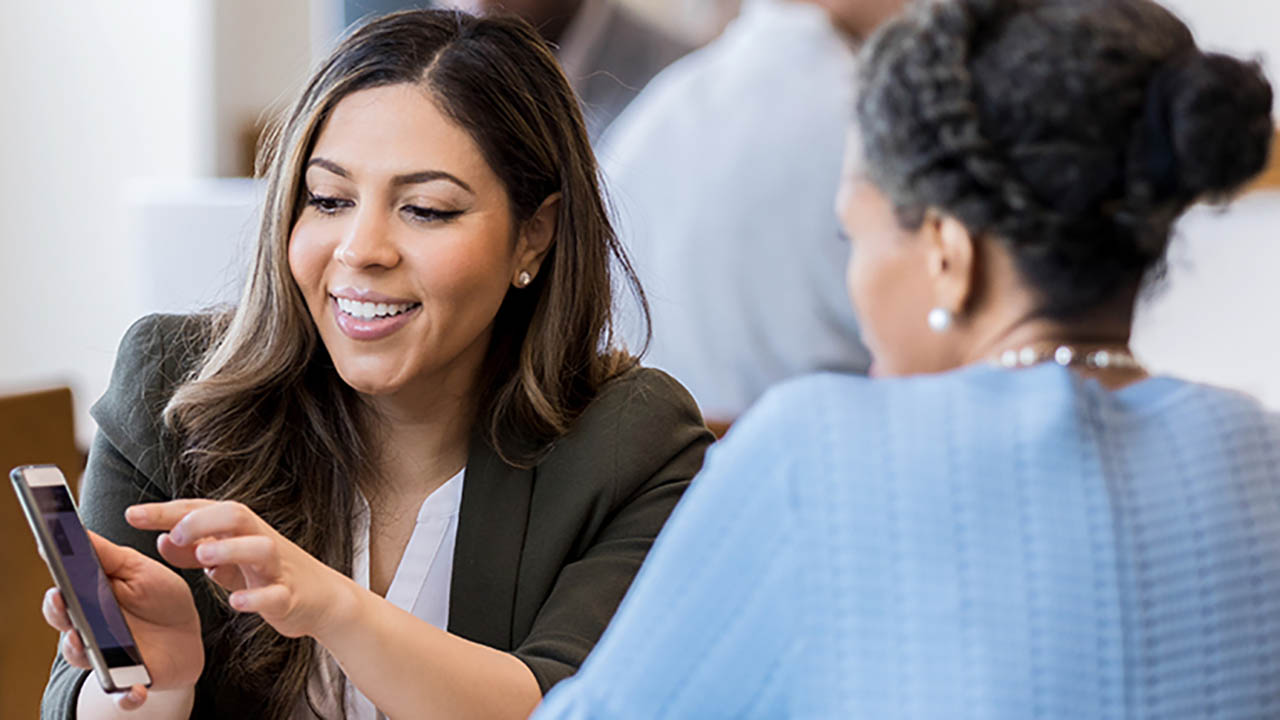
{"x":543,"y":555}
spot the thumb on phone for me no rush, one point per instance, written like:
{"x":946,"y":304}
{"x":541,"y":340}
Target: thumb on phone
{"x":113,"y":557}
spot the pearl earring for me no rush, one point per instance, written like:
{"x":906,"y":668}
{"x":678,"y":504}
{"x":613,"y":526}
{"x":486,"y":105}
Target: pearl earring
{"x":941,"y":319}
{"x":523,"y":279}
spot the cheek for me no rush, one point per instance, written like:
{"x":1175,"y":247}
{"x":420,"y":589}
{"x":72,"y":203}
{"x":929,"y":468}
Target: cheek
{"x":887,"y":294}
{"x":871,"y":290}
{"x":464,"y":276}
{"x":308,"y":255}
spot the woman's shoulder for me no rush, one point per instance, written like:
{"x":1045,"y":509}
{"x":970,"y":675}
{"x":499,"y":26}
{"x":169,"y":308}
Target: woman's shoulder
{"x":992,"y":409}
{"x":643,"y":389}
{"x":159,"y":351}
{"x":634,"y":426}
{"x":638,"y":400}
{"x":846,"y":415}
{"x":1209,"y":417}
{"x":805,"y":403}
{"x":156,"y":355}
{"x":164,"y":342}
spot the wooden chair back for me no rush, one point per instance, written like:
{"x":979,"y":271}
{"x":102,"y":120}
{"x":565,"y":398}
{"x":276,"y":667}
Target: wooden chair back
{"x":35,"y":428}
{"x":1270,"y":178}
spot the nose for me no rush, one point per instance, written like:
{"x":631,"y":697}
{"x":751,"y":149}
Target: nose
{"x":367,"y":243}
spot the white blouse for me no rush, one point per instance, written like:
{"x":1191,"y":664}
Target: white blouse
{"x":420,"y":586}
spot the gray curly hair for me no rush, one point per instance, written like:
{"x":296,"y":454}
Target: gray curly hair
{"x":1074,"y":131}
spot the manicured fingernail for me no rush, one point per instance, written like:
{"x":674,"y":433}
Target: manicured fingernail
{"x":136,"y":513}
{"x":176,"y":536}
{"x":238,"y":601}
{"x":206,"y":553}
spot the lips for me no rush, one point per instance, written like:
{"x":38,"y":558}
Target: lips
{"x":370,"y":316}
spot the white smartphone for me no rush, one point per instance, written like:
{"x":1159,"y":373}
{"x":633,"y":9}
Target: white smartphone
{"x":76,"y":570}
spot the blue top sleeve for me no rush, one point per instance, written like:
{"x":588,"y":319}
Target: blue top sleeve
{"x":708,"y":627}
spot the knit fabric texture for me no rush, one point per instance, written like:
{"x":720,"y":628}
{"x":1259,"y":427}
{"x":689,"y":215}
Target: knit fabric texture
{"x":983,"y":543}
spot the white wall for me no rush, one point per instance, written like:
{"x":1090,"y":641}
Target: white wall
{"x":1214,"y":318}
{"x":1242,"y":27}
{"x":110,"y":106}
{"x":95,"y":92}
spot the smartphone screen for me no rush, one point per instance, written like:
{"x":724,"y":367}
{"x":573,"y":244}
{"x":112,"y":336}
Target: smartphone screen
{"x":100,"y":616}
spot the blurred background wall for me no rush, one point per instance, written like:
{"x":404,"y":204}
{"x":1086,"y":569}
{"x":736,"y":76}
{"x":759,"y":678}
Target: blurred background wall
{"x":109,"y":107}
{"x":122,"y":121}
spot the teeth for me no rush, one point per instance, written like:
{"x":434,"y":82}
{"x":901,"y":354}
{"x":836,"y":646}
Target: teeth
{"x":368,"y":311}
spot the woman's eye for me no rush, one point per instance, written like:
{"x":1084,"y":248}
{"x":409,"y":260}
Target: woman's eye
{"x":430,"y":215}
{"x":327,"y":205}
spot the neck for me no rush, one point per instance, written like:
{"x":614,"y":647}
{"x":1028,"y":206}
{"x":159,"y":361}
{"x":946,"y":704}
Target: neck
{"x":423,"y":430}
{"x":421,"y":443}
{"x":1042,"y":333}
{"x":1103,"y":329}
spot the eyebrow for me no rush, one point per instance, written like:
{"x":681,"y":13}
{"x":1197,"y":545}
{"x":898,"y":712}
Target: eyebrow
{"x":415,"y":178}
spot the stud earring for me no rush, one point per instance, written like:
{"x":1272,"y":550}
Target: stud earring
{"x":523,"y":279}
{"x":941,"y":319}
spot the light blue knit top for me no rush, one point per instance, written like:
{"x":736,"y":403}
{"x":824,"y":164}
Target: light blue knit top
{"x":984,"y":543}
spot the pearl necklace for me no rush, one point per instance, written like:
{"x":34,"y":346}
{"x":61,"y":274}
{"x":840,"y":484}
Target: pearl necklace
{"x":1068,"y":356}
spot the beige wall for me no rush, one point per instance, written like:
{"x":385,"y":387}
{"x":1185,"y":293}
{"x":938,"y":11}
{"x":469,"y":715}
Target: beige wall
{"x":95,"y":92}
{"x":695,"y":20}
{"x":105,"y":100}
{"x":262,"y":51}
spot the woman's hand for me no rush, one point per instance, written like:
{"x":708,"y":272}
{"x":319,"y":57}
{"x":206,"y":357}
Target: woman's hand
{"x":400,"y":662}
{"x":265,"y":572}
{"x":161,"y":614}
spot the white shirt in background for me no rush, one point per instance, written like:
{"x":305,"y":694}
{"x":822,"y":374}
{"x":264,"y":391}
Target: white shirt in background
{"x":723,"y":174}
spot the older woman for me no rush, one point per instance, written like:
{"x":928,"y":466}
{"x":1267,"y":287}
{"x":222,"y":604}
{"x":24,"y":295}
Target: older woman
{"x":1016,"y":521}
{"x":416,"y":470}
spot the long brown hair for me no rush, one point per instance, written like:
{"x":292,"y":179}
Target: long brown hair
{"x":266,"y":420}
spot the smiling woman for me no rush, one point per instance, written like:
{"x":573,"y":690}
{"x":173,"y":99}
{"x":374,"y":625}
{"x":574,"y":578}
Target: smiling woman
{"x":350,"y":454}
{"x":406,"y":247}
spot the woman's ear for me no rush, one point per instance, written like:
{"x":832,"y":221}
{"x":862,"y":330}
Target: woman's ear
{"x":536,"y":236}
{"x":951,"y":252}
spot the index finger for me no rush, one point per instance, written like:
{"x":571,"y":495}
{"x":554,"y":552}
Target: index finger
{"x":162,"y":515}
{"x":216,"y":520}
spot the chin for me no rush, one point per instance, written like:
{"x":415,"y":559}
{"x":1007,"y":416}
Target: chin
{"x":367,"y":388}
{"x":369,"y":381}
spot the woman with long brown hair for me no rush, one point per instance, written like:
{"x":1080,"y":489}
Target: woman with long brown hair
{"x":410,"y":472}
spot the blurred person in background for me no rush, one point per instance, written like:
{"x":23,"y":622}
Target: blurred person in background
{"x":705,"y":18}
{"x":1016,"y":521}
{"x":720,"y":174}
{"x":608,"y":52}
{"x":410,"y":473}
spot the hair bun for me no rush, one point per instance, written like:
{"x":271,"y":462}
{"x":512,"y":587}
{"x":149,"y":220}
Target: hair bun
{"x":1219,"y":124}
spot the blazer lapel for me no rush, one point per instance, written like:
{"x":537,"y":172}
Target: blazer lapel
{"x":486,"y":562}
